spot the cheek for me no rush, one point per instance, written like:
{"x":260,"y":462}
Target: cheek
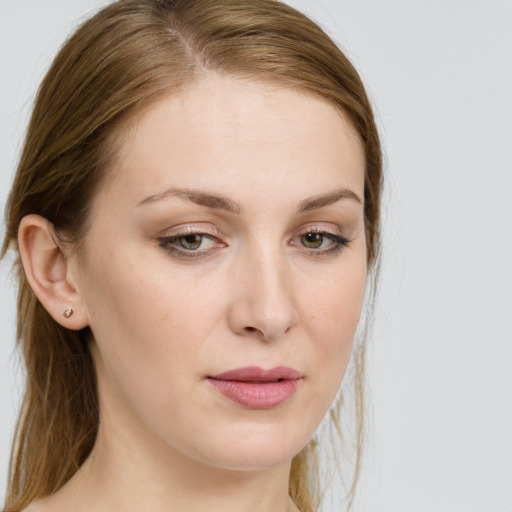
{"x":150,"y":335}
{"x":147,"y":314}
{"x":334,"y":309}
{"x":331,"y":315}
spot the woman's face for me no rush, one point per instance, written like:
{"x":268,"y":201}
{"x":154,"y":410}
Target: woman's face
{"x":229,"y":236}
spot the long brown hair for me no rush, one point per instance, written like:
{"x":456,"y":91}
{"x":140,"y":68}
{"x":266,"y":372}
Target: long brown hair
{"x":130,"y":53}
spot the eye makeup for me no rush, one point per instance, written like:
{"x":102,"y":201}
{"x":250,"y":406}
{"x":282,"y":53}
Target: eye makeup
{"x":194,"y":243}
{"x":319,"y":242}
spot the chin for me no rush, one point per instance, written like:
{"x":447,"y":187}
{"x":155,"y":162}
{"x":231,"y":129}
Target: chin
{"x":252,"y":462}
{"x":254,"y":451}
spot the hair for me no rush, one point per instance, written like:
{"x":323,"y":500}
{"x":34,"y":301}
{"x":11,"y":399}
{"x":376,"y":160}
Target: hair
{"x":131,"y":53}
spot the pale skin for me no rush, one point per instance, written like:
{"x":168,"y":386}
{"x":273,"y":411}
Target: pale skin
{"x":230,"y":233}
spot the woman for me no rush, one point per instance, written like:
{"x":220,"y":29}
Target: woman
{"x":196,"y":213}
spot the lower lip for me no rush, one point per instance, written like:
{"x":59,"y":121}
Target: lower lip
{"x":257,"y":395}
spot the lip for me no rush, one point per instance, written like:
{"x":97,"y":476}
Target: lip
{"x":256,"y":388}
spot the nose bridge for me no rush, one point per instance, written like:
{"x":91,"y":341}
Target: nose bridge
{"x":270,"y":276}
{"x":266,"y":296}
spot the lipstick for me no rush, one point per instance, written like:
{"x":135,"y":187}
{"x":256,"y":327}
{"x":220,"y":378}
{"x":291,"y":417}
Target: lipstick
{"x":256,"y":388}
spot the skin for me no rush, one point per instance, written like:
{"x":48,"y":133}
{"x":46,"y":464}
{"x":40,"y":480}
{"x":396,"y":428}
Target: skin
{"x":255,"y":293}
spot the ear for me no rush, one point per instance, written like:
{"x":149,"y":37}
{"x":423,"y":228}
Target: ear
{"x":47,"y":270}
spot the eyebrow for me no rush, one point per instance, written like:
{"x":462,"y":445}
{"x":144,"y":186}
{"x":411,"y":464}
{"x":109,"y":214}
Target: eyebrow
{"x":218,"y":202}
{"x":317,"y":202}
{"x":199,"y":197}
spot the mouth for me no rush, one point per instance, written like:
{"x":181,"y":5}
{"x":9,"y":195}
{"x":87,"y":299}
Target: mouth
{"x":255,"y":388}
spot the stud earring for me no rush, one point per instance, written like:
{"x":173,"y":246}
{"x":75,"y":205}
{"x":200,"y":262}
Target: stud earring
{"x":68,"y":313}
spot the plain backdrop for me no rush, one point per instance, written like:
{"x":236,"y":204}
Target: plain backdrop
{"x":440,"y":75}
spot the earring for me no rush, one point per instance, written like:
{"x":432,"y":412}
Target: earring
{"x":68,"y":313}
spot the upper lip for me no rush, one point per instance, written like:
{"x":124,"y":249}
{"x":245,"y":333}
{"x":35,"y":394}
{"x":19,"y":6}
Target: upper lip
{"x":257,"y":374}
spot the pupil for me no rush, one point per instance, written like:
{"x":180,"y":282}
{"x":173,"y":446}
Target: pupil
{"x":191,"y":241}
{"x":313,"y":240}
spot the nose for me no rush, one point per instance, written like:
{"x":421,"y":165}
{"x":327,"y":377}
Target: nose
{"x":263,"y":303}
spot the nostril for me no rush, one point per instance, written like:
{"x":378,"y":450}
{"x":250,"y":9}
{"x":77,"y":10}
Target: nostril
{"x":254,"y":330}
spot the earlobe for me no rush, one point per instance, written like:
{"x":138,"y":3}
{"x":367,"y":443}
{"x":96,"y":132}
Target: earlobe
{"x":47,"y":271}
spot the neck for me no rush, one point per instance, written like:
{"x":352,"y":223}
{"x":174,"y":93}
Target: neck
{"x":130,"y":474}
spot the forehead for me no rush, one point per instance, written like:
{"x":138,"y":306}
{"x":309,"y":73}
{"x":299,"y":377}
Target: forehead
{"x":237,"y":136}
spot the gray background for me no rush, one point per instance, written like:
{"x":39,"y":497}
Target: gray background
{"x":440,"y":74}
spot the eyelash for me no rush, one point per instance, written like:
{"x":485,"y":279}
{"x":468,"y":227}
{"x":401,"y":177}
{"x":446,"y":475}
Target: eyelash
{"x":170,"y":244}
{"x":338,"y":242}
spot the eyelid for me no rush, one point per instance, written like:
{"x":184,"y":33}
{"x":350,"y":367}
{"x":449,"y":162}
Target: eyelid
{"x":319,"y":227}
{"x":168,"y":240}
{"x":332,"y":232}
{"x":198,"y":228}
{"x":338,"y":240}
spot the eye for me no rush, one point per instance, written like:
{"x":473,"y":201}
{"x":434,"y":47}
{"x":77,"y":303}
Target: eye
{"x":313,"y":240}
{"x":190,"y":242}
{"x":190,"y":245}
{"x":320,"y":242}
